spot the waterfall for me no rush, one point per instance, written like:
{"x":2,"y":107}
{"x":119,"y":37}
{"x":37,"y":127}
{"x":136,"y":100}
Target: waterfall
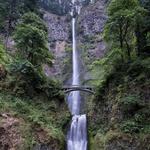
{"x":77,"y":134}
{"x":92,"y":1}
{"x":74,"y":100}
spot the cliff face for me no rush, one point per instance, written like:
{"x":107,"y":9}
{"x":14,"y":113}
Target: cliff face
{"x":119,"y":118}
{"x":113,"y":124}
{"x":58,"y":27}
{"x":90,"y":24}
{"x":110,"y":125}
{"x":58,"y":32}
{"x":60,"y":7}
{"x":93,"y":18}
{"x":29,"y":124}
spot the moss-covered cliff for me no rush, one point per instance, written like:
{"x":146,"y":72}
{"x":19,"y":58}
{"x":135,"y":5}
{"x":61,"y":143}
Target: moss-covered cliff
{"x":119,"y":118}
{"x":32,"y":123}
{"x":33,"y":111}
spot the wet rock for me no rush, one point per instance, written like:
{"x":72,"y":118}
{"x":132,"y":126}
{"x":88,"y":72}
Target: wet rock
{"x":57,"y":27}
{"x":93,"y":18}
{"x":59,"y":36}
{"x":91,"y":25}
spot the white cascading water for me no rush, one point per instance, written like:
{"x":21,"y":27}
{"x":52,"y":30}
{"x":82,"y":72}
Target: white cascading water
{"x":77,"y":134}
{"x":74,"y":100}
{"x":92,"y":1}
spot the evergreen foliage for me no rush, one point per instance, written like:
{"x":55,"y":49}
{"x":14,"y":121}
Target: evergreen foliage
{"x":25,"y":72}
{"x":143,"y":30}
{"x":121,"y":77}
{"x":4,"y":57}
{"x":33,"y":114}
{"x":11,"y":11}
{"x":31,"y":40}
{"x":120,"y":28}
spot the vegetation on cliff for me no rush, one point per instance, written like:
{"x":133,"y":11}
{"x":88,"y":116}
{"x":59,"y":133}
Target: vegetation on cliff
{"x":33,"y":113}
{"x":121,"y":104}
{"x":32,"y":108}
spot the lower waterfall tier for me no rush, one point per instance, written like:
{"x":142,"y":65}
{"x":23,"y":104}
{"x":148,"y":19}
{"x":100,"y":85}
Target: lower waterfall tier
{"x":77,"y":135}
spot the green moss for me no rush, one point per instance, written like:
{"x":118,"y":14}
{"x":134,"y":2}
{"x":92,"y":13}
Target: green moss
{"x":4,"y":57}
{"x":37,"y":112}
{"x":121,"y":105}
{"x":131,"y":127}
{"x":100,"y":141}
{"x":118,"y":140}
{"x":130,"y":103}
{"x":68,"y":48}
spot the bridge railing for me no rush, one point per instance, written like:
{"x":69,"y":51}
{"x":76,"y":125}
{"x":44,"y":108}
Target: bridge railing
{"x":81,"y":86}
{"x":71,"y":88}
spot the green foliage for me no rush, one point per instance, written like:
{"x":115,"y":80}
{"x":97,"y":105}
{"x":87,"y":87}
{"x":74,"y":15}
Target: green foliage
{"x":131,"y":127}
{"x":31,"y":39}
{"x":34,"y":20}
{"x":25,"y":75}
{"x":139,"y":118}
{"x":130,"y":100}
{"x":36,"y":112}
{"x":143,"y":29}
{"x":4,"y":57}
{"x":103,"y":68}
{"x":138,"y":66}
{"x":30,"y":5}
{"x":123,"y":95}
{"x":10,"y":12}
{"x":122,"y":77}
{"x":26,"y":79}
{"x":121,"y":24}
{"x":111,"y":69}
{"x":130,"y":103}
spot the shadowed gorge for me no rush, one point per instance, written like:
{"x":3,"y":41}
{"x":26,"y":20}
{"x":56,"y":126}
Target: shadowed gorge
{"x":74,"y":75}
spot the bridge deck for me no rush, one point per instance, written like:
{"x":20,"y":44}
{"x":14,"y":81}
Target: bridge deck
{"x":71,"y":88}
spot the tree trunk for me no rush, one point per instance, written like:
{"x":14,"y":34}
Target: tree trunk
{"x":121,"y":39}
{"x":128,"y":50}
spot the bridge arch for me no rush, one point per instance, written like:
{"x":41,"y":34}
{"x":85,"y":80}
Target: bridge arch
{"x":68,"y":89}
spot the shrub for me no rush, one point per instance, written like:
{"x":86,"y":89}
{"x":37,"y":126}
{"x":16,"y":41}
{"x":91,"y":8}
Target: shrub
{"x":4,"y":57}
{"x":31,"y":39}
{"x":28,"y":80}
{"x":131,"y":103}
{"x":131,"y":127}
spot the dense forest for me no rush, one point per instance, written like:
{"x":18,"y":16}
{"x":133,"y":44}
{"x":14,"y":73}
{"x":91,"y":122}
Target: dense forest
{"x":36,"y":61}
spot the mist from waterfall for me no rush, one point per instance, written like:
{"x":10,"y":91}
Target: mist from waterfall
{"x":77,"y":134}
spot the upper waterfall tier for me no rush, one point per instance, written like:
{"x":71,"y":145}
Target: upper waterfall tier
{"x":61,"y":7}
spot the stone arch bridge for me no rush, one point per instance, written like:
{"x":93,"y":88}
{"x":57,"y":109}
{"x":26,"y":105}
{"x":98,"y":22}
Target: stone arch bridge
{"x":71,"y":88}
